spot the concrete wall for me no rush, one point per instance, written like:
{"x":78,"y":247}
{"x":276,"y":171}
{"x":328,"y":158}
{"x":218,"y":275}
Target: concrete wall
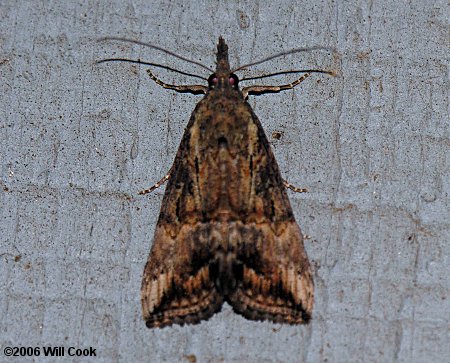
{"x":78,"y":140}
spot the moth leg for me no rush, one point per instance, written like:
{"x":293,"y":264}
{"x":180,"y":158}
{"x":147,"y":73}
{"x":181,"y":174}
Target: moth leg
{"x":294,"y":188}
{"x":156,"y":185}
{"x":258,"y":90}
{"x":194,"y":88}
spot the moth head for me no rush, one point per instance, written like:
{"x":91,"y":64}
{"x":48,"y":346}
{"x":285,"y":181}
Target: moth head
{"x":223,"y":81}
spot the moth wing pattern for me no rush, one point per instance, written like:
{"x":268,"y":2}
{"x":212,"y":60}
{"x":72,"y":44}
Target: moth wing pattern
{"x":276,"y":286}
{"x":173,"y":291}
{"x":176,"y":286}
{"x":276,"y":282}
{"x":255,"y":260}
{"x":226,"y":230}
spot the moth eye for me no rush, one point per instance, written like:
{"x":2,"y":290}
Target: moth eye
{"x":233,"y":80}
{"x":212,"y":80}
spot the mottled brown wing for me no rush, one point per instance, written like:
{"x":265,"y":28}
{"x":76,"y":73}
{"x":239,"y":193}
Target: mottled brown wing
{"x":276,"y":282}
{"x":226,"y":230}
{"x":176,"y":286}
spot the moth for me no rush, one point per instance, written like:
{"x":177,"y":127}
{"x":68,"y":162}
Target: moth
{"x":226,"y":231}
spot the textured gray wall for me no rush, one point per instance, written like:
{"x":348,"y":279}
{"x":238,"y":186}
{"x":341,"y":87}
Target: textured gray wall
{"x":79,"y":140}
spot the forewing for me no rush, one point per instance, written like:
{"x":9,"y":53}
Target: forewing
{"x":176,"y":286}
{"x":276,"y":281}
